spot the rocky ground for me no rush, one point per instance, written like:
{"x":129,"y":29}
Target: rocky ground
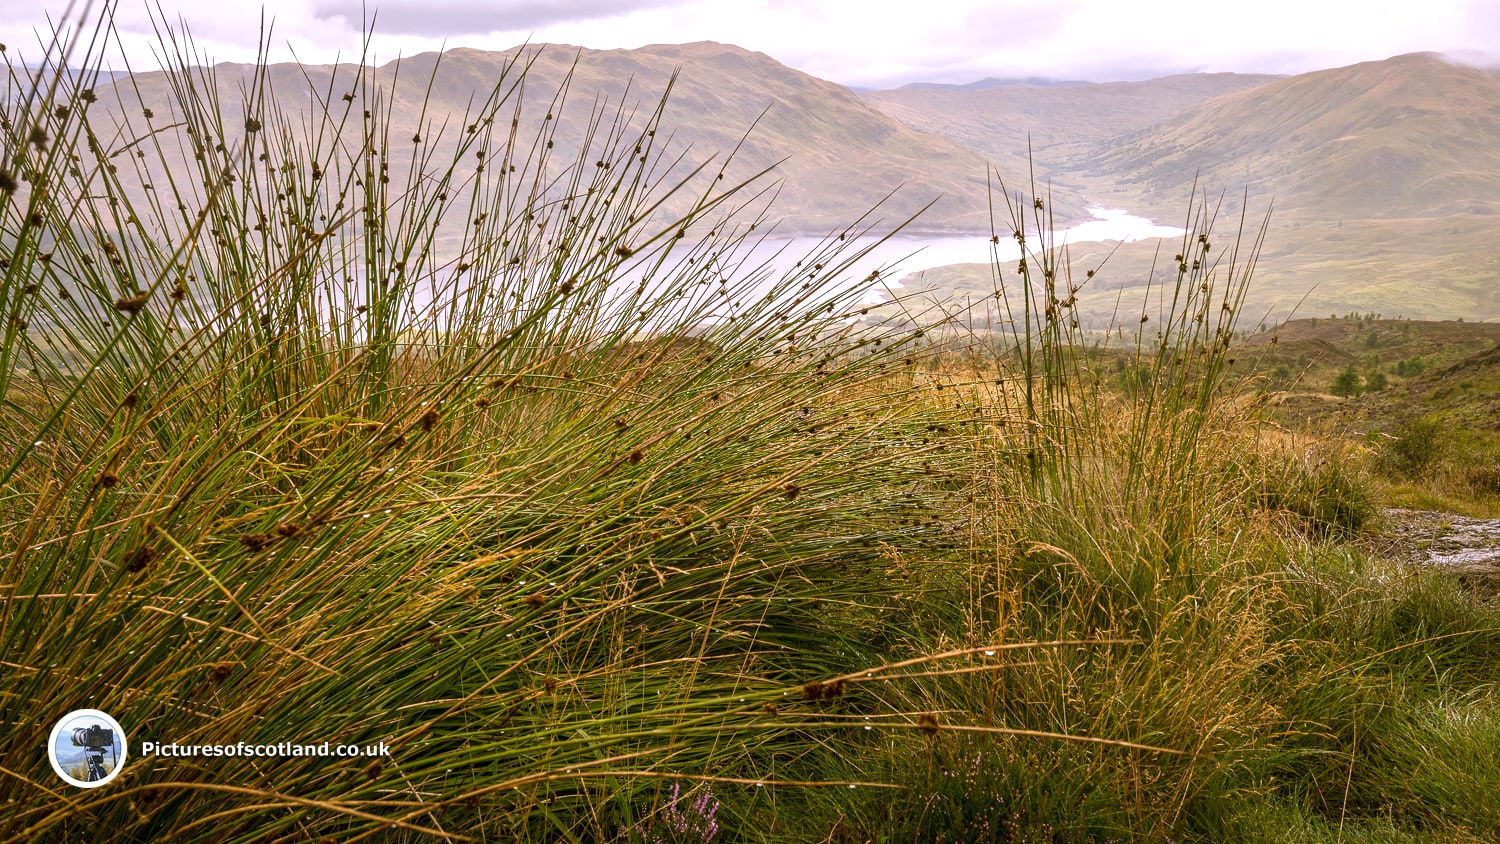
{"x":1469,"y":546}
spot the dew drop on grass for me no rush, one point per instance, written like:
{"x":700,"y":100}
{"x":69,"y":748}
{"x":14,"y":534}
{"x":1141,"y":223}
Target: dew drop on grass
{"x":989,"y":653}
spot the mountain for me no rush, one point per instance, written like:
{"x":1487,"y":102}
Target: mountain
{"x":1411,"y":136}
{"x":835,"y":155}
{"x":998,"y":119}
{"x":1385,"y":178}
{"x":1059,"y":122}
{"x":1385,"y":175}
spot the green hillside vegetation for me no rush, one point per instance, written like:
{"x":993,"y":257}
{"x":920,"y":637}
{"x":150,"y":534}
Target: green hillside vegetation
{"x":1413,"y":352}
{"x":1383,"y":176}
{"x":609,"y":540}
{"x":1424,"y":404}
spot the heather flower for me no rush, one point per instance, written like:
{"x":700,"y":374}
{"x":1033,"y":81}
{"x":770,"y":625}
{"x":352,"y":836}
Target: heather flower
{"x":682,"y":821}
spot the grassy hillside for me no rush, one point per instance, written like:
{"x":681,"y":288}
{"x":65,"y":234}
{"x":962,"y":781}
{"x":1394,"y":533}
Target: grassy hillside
{"x":1422,"y":398}
{"x":1411,"y":136}
{"x":1383,"y":175}
{"x":1405,"y":369}
{"x":837,"y":157}
{"x":1058,"y":121}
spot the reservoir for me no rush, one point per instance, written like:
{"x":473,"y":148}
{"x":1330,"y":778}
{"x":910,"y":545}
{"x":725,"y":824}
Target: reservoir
{"x":901,"y":255}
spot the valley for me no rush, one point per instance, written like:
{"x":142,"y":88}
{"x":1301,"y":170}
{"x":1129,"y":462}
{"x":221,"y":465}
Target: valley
{"x":1381,"y":180}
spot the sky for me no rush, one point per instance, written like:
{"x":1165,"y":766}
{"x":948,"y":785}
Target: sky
{"x":860,"y":43}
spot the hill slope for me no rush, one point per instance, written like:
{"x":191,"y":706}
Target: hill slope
{"x":1385,"y":175}
{"x":1060,"y":122}
{"x":838,"y":155}
{"x":1411,"y":136}
{"x":997,"y":120}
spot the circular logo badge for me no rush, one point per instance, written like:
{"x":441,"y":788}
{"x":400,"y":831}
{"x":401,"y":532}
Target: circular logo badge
{"x":87,"y":748}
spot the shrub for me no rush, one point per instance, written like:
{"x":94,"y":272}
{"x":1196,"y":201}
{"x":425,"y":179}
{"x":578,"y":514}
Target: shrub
{"x":1416,"y":445}
{"x":1484,"y":479}
{"x":1410,"y":367}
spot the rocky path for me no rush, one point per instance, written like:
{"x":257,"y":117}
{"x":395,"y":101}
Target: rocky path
{"x":1468,"y":545}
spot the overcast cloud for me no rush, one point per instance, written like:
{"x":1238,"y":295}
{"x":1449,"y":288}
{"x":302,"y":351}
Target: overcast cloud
{"x":850,"y":41}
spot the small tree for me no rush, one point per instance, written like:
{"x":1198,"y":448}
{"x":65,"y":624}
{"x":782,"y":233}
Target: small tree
{"x":1376,"y":382}
{"x":1347,"y":383}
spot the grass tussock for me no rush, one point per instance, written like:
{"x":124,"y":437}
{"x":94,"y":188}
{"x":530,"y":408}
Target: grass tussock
{"x":611,"y":535}
{"x":555,"y":510}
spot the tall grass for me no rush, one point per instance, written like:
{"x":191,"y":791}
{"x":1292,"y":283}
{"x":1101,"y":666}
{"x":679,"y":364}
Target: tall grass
{"x":478,"y":457}
{"x":1202,"y":551}
{"x":1101,"y":517}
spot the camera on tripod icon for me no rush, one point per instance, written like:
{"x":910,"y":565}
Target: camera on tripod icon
{"x":95,"y":740}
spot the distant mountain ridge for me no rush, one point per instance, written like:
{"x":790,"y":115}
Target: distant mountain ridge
{"x":1049,"y":128}
{"x":835,"y":155}
{"x":992,"y":82}
{"x":1410,"y":136}
{"x":1385,"y":175}
{"x":998,"y":116}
